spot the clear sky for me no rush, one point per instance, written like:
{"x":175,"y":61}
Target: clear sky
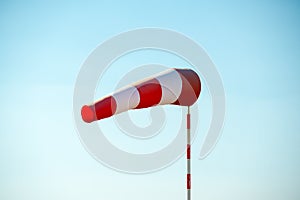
{"x":255,"y":46}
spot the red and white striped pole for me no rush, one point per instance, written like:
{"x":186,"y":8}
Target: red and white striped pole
{"x":188,"y":154}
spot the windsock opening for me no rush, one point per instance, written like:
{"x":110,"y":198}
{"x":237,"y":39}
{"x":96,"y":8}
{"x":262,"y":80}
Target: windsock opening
{"x":191,"y":87}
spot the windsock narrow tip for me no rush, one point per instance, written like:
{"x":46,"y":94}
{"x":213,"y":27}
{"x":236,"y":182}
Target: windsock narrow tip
{"x":88,"y":114}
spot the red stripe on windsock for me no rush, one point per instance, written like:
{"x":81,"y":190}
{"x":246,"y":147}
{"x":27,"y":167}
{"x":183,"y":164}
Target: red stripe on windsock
{"x":101,"y":109}
{"x":191,"y":87}
{"x":188,"y":181}
{"x":150,"y":93}
{"x":188,"y":151}
{"x":105,"y":107}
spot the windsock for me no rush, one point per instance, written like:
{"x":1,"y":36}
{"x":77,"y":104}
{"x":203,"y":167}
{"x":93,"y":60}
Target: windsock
{"x":174,"y":86}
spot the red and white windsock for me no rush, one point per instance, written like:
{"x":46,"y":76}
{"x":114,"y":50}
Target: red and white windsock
{"x":173,"y":86}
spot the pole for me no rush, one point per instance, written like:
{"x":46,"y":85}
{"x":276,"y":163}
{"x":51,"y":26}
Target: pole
{"x":188,"y":154}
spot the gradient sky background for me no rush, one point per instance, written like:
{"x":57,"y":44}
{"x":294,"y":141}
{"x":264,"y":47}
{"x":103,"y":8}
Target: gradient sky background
{"x":255,"y":46}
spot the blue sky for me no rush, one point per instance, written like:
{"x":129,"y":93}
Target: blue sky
{"x":255,"y":46}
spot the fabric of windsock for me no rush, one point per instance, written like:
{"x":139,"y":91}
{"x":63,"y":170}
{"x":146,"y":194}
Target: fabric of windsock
{"x":173,"y":86}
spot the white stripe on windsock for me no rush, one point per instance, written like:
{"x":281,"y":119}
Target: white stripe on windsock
{"x":126,"y":98}
{"x":171,"y":85}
